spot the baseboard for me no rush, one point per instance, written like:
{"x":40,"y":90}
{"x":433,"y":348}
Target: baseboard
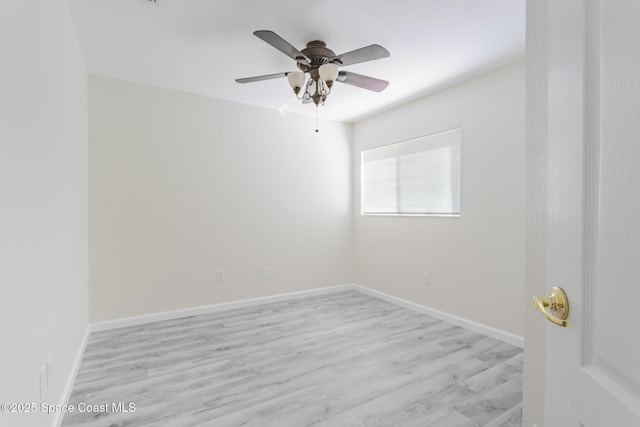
{"x":195,"y":311}
{"x":71,"y":379}
{"x":205,"y":309}
{"x":459,"y":321}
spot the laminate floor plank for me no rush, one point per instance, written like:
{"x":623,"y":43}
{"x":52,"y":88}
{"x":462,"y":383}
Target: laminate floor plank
{"x":334,"y":360}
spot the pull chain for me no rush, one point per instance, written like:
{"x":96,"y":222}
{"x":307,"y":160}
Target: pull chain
{"x":317,"y":119}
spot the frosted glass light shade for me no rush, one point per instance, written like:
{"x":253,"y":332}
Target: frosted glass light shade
{"x":296,"y":80}
{"x":328,"y":73}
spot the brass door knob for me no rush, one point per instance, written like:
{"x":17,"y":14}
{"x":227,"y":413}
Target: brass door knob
{"x":557,"y":302}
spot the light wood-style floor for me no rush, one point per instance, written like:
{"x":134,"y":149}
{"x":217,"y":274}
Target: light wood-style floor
{"x":333,"y":360}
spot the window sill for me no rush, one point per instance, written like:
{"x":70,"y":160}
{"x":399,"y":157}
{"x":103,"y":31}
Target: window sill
{"x":452,"y":215}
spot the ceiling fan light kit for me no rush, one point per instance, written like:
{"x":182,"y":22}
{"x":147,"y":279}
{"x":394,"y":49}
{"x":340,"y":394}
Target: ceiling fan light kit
{"x":320,"y":67}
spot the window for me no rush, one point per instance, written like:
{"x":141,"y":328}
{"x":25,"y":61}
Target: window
{"x":416,"y":177}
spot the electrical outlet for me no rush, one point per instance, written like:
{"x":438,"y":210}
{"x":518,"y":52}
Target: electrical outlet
{"x":220,"y":276}
{"x":48,"y":371}
{"x":426,"y":278}
{"x":264,"y":272}
{"x":42,"y":382}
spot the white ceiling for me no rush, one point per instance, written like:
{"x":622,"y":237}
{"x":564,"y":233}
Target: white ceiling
{"x":202,"y":46}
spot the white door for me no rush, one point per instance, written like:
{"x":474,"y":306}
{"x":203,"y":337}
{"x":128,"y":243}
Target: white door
{"x":593,"y":196}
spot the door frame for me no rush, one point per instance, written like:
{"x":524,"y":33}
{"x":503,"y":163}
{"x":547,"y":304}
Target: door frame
{"x":536,"y":107}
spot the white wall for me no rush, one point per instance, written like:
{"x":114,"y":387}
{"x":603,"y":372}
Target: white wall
{"x":184,"y":185}
{"x":476,"y":261}
{"x":43,"y":201}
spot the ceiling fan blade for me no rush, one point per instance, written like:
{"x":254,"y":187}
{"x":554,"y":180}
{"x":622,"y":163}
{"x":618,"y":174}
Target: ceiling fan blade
{"x":260,"y":78}
{"x":364,"y":54}
{"x":282,"y":45}
{"x":364,"y":82}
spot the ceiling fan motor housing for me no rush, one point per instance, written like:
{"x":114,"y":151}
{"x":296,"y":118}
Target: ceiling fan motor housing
{"x":319,"y":54}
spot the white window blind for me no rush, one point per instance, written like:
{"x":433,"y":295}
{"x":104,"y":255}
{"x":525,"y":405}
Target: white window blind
{"x":416,"y":177}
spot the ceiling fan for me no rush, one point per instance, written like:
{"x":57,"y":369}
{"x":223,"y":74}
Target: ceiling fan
{"x":320,"y":68}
